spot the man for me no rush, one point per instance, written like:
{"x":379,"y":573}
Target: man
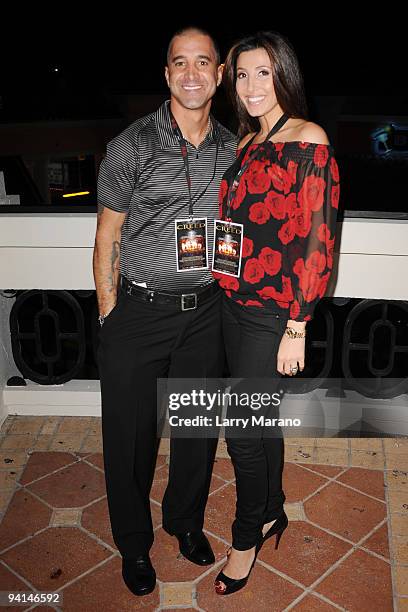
{"x":158,"y":320}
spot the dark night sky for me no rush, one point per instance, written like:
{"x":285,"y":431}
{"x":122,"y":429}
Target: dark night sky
{"x":339,"y":54}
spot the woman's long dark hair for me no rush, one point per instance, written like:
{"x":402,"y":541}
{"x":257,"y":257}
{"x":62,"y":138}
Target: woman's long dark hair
{"x":287,"y":78}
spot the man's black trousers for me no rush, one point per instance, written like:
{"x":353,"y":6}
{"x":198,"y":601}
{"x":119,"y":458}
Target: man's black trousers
{"x":140,"y":342}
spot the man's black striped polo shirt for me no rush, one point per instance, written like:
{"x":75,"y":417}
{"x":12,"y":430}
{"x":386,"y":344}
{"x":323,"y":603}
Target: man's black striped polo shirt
{"x":143,"y":175}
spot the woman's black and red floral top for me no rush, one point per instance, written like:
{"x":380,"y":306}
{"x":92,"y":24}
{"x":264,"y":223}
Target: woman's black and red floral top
{"x":287,"y":201}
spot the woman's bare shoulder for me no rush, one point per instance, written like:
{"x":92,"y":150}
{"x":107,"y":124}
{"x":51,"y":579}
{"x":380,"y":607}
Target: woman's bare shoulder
{"x":313,"y":133}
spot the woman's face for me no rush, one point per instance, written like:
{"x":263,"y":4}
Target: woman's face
{"x":254,"y":84}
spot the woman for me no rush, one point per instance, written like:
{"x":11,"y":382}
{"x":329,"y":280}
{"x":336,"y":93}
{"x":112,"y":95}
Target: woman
{"x":284,"y":190}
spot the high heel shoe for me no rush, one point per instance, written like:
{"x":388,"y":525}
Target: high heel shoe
{"x":277,"y":528}
{"x":232,"y":585}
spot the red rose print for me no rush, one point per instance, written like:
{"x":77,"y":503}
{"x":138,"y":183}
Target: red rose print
{"x":334,"y":170}
{"x":268,"y":293}
{"x":253,"y":271}
{"x":302,"y":222}
{"x":323,"y":232}
{"x":223,"y":190}
{"x":239,"y":195}
{"x":316,"y":262}
{"x":323,"y":284}
{"x":281,"y":179}
{"x":247,"y":247}
{"x":271,"y":260}
{"x":229,"y":282}
{"x":308,"y":281}
{"x":279,"y":219}
{"x":247,"y":154}
{"x":287,"y":288}
{"x":279,"y":148}
{"x":310,"y":286}
{"x":276,"y":203}
{"x":330,"y":251}
{"x":299,"y":266}
{"x":287,"y":232}
{"x":257,"y":179}
{"x":217,"y":275}
{"x":292,"y":170}
{"x":294,"y":310}
{"x":321,"y":155}
{"x":335,"y":195}
{"x":254,"y":303}
{"x":259,"y":213}
{"x":311,"y":194}
{"x":290,"y":204}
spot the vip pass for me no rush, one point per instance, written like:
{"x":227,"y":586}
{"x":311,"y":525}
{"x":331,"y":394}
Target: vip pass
{"x":192,"y":245}
{"x":227,"y":252}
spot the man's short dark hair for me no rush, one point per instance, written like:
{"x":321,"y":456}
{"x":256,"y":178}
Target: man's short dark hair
{"x":198,"y":30}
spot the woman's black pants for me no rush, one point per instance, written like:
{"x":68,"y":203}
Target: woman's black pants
{"x":252,"y":336}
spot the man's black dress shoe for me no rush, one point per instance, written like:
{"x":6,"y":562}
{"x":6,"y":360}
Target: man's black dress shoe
{"x":139,"y":575}
{"x":195,"y":547}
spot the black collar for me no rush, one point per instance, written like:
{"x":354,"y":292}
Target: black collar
{"x":168,"y":139}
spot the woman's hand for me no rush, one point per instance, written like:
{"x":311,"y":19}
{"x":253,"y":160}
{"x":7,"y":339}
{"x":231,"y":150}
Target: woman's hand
{"x":291,"y":353}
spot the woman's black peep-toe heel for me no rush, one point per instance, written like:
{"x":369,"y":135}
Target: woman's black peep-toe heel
{"x":232,"y":585}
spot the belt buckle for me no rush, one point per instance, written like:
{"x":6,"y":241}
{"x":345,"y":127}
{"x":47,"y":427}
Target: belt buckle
{"x":186,"y":297}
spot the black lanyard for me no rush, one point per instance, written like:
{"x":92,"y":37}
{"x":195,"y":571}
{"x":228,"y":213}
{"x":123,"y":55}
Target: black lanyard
{"x":184,"y":154}
{"x":235,"y":182}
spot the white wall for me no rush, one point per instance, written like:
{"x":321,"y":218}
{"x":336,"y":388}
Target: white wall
{"x":54,"y":251}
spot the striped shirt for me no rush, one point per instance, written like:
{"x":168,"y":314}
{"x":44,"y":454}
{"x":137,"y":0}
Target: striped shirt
{"x":143,"y":175}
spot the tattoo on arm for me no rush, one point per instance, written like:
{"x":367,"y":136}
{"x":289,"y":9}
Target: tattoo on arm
{"x":114,"y":264}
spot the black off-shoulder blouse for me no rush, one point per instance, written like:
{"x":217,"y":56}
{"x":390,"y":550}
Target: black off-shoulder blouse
{"x":287,"y":201}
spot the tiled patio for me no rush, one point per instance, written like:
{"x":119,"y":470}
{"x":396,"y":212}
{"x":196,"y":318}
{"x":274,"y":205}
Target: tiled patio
{"x":346,"y":547}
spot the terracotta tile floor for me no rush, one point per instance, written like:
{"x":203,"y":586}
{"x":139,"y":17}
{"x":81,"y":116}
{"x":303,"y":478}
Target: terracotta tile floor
{"x":346,"y":547}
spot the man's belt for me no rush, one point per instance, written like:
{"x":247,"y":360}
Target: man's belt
{"x":184,"y":301}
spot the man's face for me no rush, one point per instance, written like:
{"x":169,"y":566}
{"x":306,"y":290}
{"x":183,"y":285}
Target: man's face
{"x":192,"y":73}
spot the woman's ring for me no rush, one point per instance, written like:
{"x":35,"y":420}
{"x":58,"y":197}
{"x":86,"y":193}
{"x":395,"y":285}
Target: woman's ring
{"x":294,"y":369}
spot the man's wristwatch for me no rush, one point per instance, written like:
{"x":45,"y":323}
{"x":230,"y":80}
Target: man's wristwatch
{"x":292,"y":333}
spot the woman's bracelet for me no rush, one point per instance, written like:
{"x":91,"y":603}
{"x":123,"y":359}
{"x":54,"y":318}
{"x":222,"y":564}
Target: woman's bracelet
{"x":292,"y":333}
